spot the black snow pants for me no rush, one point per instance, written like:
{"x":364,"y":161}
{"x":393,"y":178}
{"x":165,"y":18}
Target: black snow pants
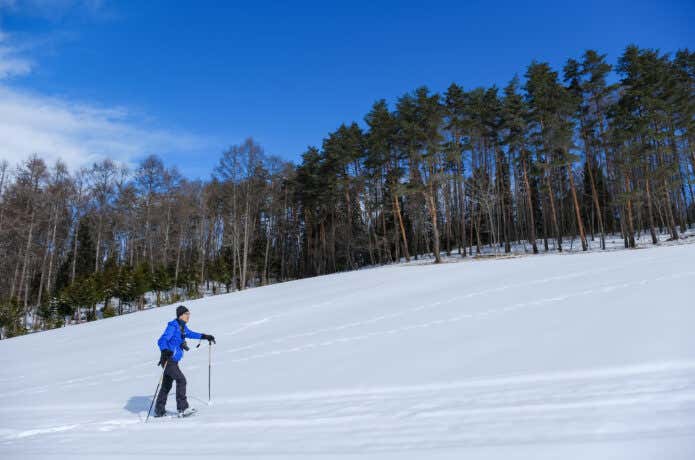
{"x":171,"y":373}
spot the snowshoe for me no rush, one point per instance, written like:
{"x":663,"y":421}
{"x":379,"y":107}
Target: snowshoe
{"x":187,"y":412}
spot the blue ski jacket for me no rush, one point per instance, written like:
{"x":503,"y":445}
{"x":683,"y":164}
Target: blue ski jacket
{"x":173,"y":337}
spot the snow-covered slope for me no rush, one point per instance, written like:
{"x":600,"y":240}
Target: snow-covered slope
{"x":572,"y":357}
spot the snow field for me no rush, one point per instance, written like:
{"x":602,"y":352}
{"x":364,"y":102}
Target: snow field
{"x":582,"y":356}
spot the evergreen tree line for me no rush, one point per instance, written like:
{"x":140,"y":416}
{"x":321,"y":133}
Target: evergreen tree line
{"x":562,"y":159}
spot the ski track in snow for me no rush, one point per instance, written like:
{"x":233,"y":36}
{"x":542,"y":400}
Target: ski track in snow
{"x":418,"y":308}
{"x":97,"y":379}
{"x":452,"y":319}
{"x":649,"y":400}
{"x":602,"y":405}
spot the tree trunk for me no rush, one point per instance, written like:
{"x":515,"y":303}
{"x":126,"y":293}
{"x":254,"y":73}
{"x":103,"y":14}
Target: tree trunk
{"x":245,"y":258}
{"x":669,"y":211}
{"x":447,"y":214}
{"x":39,"y":295}
{"x":178,"y":256}
{"x":166,"y":237}
{"x":3,"y":171}
{"x":529,"y":203}
{"x":630,"y":227}
{"x":397,"y":209}
{"x":96,"y":251}
{"x":74,"y":249}
{"x":597,"y":205}
{"x":462,"y":206}
{"x":650,"y":212}
{"x":429,"y":196}
{"x":578,"y":214}
{"x":348,"y":248}
{"x":202,"y":252}
{"x":25,"y":264}
{"x":49,"y":277}
{"x":553,"y":213}
{"x":264,"y":279}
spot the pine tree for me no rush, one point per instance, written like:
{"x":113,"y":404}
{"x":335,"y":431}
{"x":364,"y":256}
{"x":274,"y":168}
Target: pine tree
{"x":514,"y":115}
{"x":420,"y":115}
{"x":456,"y":120}
{"x":84,"y":262}
{"x":11,"y":314}
{"x":551,"y":108}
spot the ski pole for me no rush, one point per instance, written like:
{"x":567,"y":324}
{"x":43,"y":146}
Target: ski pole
{"x":156,"y":391}
{"x":209,"y":369}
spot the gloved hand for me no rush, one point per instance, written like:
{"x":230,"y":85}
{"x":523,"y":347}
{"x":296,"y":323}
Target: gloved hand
{"x":208,"y":337}
{"x":164,"y":357}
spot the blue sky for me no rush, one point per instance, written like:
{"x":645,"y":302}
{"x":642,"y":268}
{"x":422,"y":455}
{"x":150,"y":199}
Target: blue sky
{"x":184,"y":81}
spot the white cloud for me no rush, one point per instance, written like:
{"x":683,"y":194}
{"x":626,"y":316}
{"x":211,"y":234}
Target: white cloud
{"x":75,"y":132}
{"x":78,"y":134}
{"x":11,"y":63}
{"x":12,"y":66}
{"x":52,"y":8}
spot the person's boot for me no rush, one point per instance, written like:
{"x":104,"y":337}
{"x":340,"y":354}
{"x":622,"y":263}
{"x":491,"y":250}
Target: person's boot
{"x":187,"y":412}
{"x":158,"y":413}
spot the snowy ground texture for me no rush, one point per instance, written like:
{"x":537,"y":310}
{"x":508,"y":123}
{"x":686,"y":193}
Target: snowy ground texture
{"x":586,"y":356}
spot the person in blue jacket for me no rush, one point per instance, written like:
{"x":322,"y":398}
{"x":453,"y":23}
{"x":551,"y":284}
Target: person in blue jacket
{"x":172,"y":343}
